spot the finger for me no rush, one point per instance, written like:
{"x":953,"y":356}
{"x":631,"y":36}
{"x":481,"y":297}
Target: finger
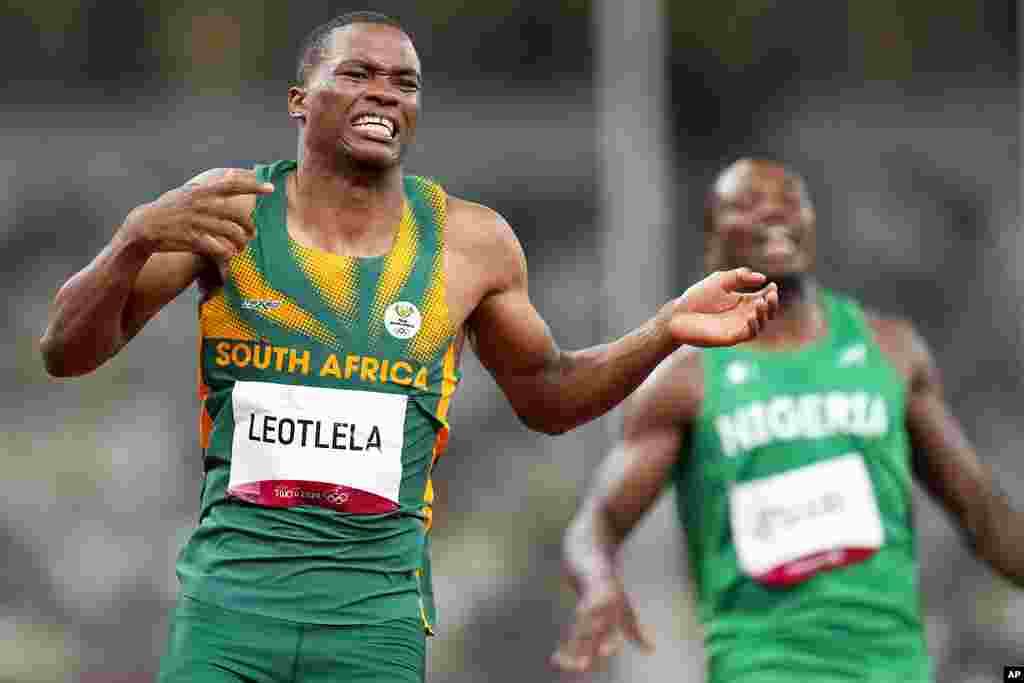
{"x":762,"y":313}
{"x":768,"y":304}
{"x":751,"y":330}
{"x":238,"y":181}
{"x":605,"y":643}
{"x":563,"y":661}
{"x":772,"y":297}
{"x":766,"y":290}
{"x":584,"y":643}
{"x":741,"y":278}
{"x":229,"y":208}
{"x":222,"y":228}
{"x":612,"y":645}
{"x":765,"y":301}
{"x":753,"y":323}
{"x":635,"y":632}
{"x":567,"y":659}
{"x":566,"y":655}
{"x":217,"y":249}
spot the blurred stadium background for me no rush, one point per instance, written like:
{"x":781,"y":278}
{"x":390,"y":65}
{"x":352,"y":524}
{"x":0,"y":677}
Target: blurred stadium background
{"x":594,"y":126}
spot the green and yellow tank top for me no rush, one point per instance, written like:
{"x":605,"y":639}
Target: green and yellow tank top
{"x":325,"y":383}
{"x":795,"y":494}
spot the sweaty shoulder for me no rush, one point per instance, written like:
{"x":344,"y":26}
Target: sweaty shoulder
{"x":671,"y":396}
{"x":481,"y":229}
{"x":484,"y":246}
{"x":901,"y":344}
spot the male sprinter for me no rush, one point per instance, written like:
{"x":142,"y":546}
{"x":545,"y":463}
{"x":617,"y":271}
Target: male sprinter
{"x":792,"y":458}
{"x":337,"y":295}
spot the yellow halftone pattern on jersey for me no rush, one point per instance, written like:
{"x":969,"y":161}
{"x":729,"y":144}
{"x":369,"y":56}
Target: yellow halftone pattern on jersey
{"x":437,"y":197}
{"x":217,"y":320}
{"x":397,"y":268}
{"x":448,"y":383}
{"x":335,"y":277}
{"x":274,"y":305}
{"x":437,"y":326}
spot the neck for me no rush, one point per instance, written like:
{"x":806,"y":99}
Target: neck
{"x":335,"y":179}
{"x":345,"y":207}
{"x":799,"y":319}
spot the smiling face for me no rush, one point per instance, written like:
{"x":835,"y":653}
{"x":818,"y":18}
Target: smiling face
{"x":760,"y":216}
{"x":363,"y":98}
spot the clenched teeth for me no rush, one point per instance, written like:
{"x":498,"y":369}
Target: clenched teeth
{"x":374,"y":120}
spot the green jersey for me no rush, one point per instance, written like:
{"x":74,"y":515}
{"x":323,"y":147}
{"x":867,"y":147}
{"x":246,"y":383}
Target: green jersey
{"x":795,"y":495}
{"x":325,"y":383}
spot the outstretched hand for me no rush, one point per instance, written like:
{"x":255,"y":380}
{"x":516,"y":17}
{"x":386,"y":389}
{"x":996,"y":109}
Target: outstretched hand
{"x":604,"y":621}
{"x":718,"y":312}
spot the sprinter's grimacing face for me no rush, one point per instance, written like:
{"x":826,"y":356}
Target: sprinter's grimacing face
{"x":364,"y":97}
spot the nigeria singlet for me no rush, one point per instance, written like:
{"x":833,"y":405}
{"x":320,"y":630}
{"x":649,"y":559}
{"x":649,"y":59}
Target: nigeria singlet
{"x":795,"y":495}
{"x":325,"y":382}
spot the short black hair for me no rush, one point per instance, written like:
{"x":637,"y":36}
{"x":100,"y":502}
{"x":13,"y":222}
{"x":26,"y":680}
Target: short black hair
{"x":316,"y":42}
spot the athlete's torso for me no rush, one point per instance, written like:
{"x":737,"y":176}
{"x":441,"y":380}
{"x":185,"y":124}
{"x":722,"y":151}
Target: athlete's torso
{"x":795,"y":493}
{"x":325,"y":383}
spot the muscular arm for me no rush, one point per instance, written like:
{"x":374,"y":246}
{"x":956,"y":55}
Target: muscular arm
{"x":636,"y":471}
{"x":553,"y":390}
{"x":159,"y":250}
{"x":946,"y":465}
{"x":100,"y":308}
{"x":628,"y":484}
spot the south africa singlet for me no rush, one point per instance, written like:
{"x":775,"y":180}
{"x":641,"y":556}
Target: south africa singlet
{"x":325,"y":383}
{"x":795,"y":494}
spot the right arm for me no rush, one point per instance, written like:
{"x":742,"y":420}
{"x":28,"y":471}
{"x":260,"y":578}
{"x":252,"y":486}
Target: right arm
{"x":628,"y":483}
{"x":159,"y":250}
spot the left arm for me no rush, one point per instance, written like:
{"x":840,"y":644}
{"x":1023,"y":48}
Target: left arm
{"x":946,"y":464}
{"x":553,"y":390}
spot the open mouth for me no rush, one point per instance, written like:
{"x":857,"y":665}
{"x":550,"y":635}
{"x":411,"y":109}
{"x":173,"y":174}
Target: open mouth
{"x":778,"y":241}
{"x":376,"y":127}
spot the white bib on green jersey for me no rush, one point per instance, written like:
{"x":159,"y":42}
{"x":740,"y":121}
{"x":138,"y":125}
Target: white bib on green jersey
{"x":789,"y":526}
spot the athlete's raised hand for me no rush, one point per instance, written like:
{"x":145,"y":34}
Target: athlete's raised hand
{"x":604,"y":621}
{"x":210,"y":215}
{"x":717,"y":311}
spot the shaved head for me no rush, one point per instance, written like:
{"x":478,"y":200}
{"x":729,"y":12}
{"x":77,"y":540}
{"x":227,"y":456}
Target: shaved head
{"x":758,"y":214}
{"x":734,"y":177}
{"x":316,"y":43}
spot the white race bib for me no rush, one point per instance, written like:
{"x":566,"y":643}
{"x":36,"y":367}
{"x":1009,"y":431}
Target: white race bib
{"x":790,"y":526}
{"x":335,"y":448}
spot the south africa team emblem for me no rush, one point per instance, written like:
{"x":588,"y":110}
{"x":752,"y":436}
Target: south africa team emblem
{"x":402,"y":320}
